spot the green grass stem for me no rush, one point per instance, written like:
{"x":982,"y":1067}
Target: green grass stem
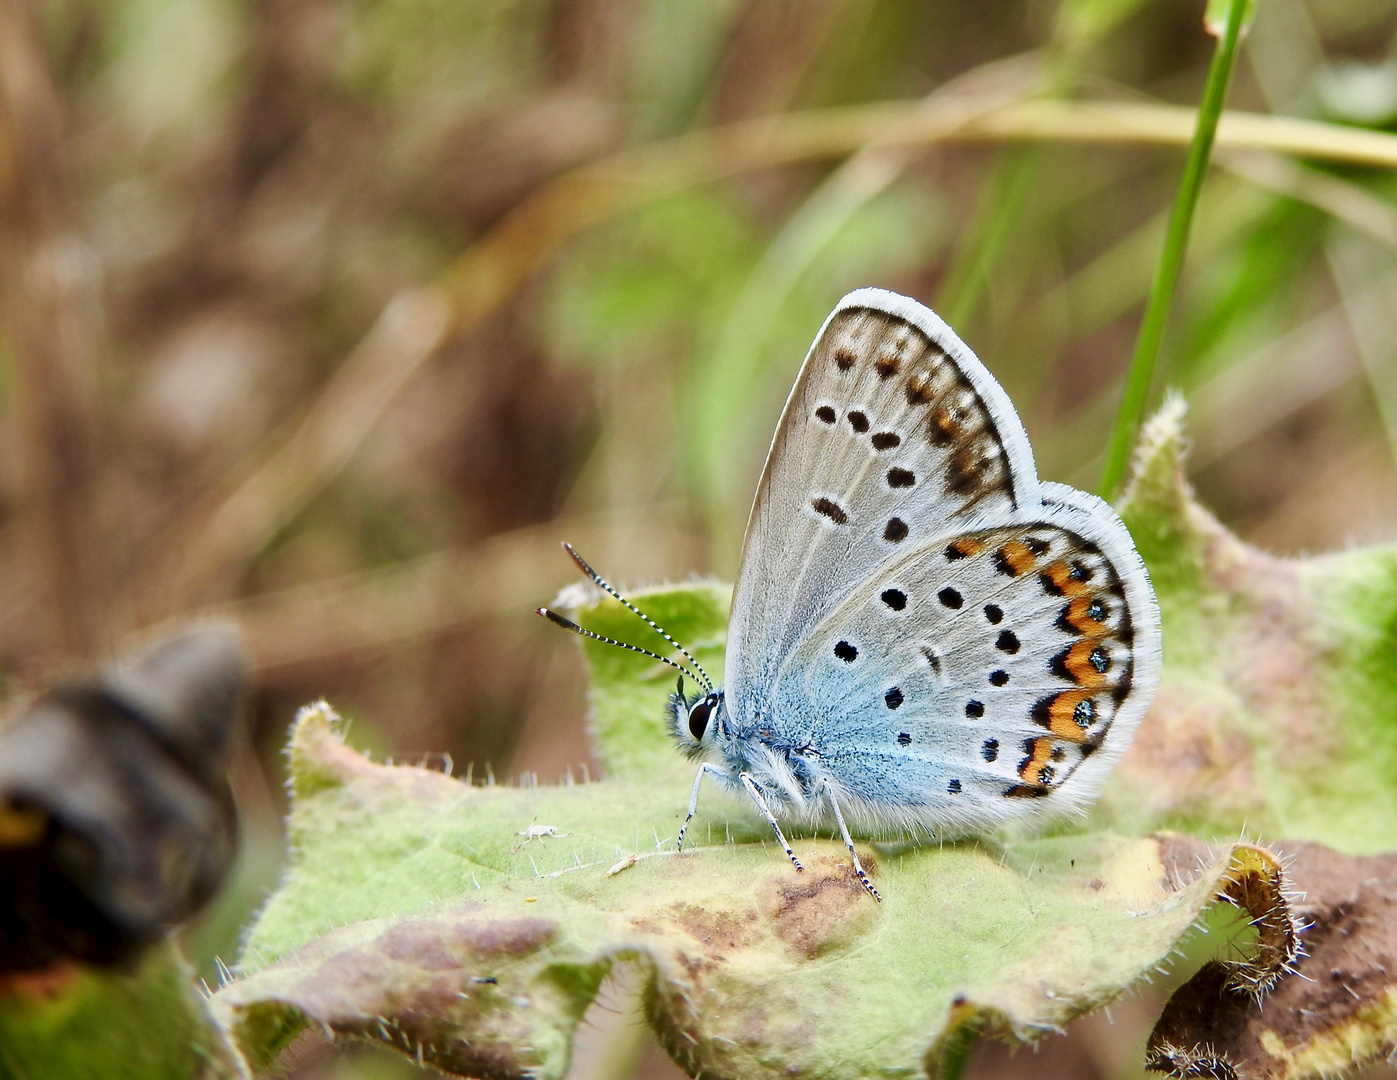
{"x":975,"y":261}
{"x":1152,"y":326}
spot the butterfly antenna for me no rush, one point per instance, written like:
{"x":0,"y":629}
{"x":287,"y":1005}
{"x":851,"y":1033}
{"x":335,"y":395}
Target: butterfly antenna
{"x":600,"y":581}
{"x":568,"y":624}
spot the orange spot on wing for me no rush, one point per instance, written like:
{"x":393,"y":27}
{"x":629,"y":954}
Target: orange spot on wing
{"x":968,"y":547}
{"x":1060,"y":576}
{"x":1016,"y":558}
{"x":1036,"y":768}
{"x":1079,"y":616}
{"x":1062,"y":716}
{"x":942,"y":427}
{"x":1078,"y":662}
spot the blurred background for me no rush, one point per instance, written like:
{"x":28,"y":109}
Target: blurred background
{"x":306,"y":317}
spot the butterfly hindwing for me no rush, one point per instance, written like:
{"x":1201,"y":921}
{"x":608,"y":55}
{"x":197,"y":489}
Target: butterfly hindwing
{"x":970,"y":679}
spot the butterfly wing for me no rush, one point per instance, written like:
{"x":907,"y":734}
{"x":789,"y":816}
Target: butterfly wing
{"x":916,"y":613}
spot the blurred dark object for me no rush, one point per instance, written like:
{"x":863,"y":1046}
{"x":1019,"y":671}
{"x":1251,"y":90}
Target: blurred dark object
{"x":116,"y":818}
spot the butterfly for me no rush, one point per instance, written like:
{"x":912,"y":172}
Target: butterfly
{"x":924,"y":638}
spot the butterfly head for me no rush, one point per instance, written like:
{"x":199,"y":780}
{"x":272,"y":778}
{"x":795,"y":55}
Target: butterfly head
{"x":695,"y":722}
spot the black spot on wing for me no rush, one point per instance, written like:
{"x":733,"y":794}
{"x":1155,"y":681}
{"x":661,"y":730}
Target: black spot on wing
{"x":1121,"y":690}
{"x":830,"y":509}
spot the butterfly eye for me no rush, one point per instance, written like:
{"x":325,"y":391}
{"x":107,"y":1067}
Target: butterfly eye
{"x":698,"y":718}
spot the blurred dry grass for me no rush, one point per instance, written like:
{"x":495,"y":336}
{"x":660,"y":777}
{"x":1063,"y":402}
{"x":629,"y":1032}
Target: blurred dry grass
{"x":339,"y":316}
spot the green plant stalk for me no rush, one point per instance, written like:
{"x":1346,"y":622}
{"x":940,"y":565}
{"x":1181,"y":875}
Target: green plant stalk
{"x":960,"y":1045}
{"x":1142,"y":366}
{"x":970,"y":273}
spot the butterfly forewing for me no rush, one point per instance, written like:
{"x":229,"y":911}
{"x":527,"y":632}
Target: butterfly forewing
{"x":951,"y":641}
{"x":892,"y":432}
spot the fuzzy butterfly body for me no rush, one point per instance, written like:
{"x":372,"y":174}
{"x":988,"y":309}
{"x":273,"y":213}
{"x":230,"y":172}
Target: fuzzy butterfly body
{"x":923,"y":635}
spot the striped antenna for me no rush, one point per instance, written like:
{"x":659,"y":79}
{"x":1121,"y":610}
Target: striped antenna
{"x":568,"y":624}
{"x":701,"y":677}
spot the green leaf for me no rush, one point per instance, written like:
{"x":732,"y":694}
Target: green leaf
{"x":1277,"y":712}
{"x":471,"y":927}
{"x":75,"y":1021}
{"x":380,"y":930}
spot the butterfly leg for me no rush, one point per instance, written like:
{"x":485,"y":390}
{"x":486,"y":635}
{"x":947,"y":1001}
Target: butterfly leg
{"x":849,"y":843}
{"x":706,"y":767}
{"x":756,"y":793}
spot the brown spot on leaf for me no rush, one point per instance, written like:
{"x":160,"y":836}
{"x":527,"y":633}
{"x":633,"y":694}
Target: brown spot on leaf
{"x":720,"y":932}
{"x":824,"y":909}
{"x":1189,"y":755}
{"x":419,"y":944}
{"x":401,"y":990}
{"x":505,"y":937}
